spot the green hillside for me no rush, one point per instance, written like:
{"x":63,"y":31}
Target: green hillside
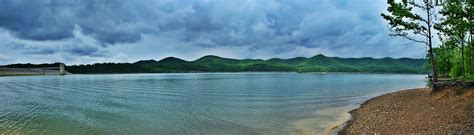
{"x":318,"y":63}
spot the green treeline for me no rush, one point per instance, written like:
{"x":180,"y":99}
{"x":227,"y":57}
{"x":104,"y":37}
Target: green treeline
{"x":29,"y":65}
{"x":318,"y":63}
{"x":452,"y":21}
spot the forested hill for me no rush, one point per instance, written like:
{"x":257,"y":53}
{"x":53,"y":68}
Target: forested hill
{"x":318,"y":63}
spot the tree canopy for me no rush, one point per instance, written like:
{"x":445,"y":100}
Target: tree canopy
{"x":454,"y":21}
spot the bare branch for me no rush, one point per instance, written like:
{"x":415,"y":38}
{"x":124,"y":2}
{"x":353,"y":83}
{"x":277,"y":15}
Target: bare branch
{"x":411,"y":43}
{"x":406,"y":36}
{"x":423,"y":33}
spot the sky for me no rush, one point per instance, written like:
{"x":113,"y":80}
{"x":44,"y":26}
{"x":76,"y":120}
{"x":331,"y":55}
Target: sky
{"x":90,"y":31}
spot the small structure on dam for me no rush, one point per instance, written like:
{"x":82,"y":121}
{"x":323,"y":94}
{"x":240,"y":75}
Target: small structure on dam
{"x":62,"y":69}
{"x":29,"y":69}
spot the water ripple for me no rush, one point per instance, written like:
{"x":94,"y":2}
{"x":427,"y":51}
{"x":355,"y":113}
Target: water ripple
{"x":242,"y":103}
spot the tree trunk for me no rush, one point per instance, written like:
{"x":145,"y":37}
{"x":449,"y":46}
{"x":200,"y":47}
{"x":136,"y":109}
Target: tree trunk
{"x":430,"y":51}
{"x":433,"y":65}
{"x":462,"y":58}
{"x":470,"y":69}
{"x":470,"y":21}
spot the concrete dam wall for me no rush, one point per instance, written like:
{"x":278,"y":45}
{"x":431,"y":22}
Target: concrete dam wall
{"x":6,"y":71}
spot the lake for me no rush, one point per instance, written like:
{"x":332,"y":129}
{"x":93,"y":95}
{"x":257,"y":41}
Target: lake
{"x":189,"y":103}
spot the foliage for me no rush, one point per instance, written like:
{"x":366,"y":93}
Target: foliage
{"x":404,"y":22}
{"x":445,"y":58}
{"x":455,"y":55}
{"x":453,"y":28}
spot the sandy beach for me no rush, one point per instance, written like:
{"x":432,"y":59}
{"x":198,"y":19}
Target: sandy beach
{"x":417,"y":111}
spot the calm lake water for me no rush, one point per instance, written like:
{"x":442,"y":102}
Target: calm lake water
{"x":195,"y":103}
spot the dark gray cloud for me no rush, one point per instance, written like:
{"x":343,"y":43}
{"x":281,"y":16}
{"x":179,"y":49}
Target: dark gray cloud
{"x":39,"y":50}
{"x":262,"y":28}
{"x":35,"y":20}
{"x":108,"y":21}
{"x":75,"y":48}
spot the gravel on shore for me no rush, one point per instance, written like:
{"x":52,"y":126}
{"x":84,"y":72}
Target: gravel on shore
{"x":415,"y":111}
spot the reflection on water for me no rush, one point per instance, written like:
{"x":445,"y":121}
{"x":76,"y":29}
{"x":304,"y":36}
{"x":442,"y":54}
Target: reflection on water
{"x":197,"y":103}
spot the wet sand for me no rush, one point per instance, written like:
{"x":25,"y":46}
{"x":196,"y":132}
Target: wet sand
{"x":318,"y":126}
{"x":415,"y":111}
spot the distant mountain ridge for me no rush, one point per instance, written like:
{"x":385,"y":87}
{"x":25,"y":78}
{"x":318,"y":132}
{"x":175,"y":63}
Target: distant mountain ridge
{"x":212,"y":63}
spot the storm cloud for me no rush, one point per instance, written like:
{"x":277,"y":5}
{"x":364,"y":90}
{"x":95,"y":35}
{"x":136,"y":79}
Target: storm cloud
{"x":129,"y":30}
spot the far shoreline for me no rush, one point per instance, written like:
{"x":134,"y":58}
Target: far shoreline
{"x":375,"y":73}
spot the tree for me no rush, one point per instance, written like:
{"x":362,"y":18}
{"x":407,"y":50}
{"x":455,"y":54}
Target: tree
{"x":445,"y":58}
{"x":469,"y":15}
{"x":405,"y":22}
{"x":454,"y":26}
